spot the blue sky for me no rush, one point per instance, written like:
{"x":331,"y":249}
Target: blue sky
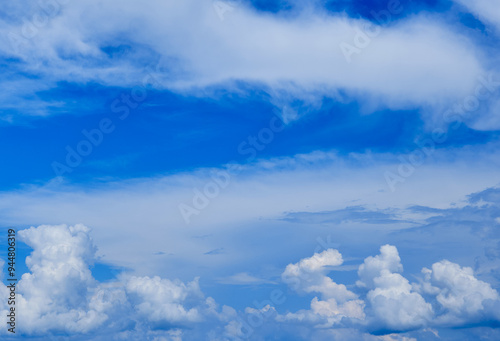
{"x":252,"y":170}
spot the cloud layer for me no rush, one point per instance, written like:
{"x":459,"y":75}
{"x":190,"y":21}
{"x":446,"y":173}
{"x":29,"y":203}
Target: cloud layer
{"x":60,"y":296}
{"x":307,"y":55}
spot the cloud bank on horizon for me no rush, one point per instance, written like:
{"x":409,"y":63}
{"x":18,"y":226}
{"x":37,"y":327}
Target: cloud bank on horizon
{"x":59,"y":296}
{"x":252,"y":170}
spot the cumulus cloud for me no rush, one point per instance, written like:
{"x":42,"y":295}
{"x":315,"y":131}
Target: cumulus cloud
{"x":372,"y":267}
{"x":464,"y":298}
{"x":60,"y":295}
{"x":331,"y":308}
{"x":393,"y":303}
{"x":161,"y":300}
{"x":446,"y":295}
{"x":55,"y":294}
{"x":316,"y":263}
{"x":309,"y":275}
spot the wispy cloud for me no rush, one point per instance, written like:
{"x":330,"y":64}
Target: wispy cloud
{"x":410,"y":64}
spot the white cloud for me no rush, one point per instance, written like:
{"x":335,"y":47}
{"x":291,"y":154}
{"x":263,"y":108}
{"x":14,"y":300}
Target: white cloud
{"x":308,"y":275}
{"x":464,"y":297}
{"x":410,"y":64}
{"x":317,"y":263}
{"x":331,"y":308}
{"x":372,"y":267}
{"x":59,"y":294}
{"x":395,"y":305}
{"x":161,"y":300}
{"x":55,"y":294}
{"x":463,"y":292}
{"x":263,"y":190}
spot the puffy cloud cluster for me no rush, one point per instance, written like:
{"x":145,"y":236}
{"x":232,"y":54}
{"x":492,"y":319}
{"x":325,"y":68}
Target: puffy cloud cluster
{"x":60,"y":295}
{"x":446,"y":295}
{"x":388,"y":260}
{"x":464,"y":298}
{"x":55,"y":294}
{"x":394,"y":305}
{"x":309,"y":275}
{"x":161,"y":300}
